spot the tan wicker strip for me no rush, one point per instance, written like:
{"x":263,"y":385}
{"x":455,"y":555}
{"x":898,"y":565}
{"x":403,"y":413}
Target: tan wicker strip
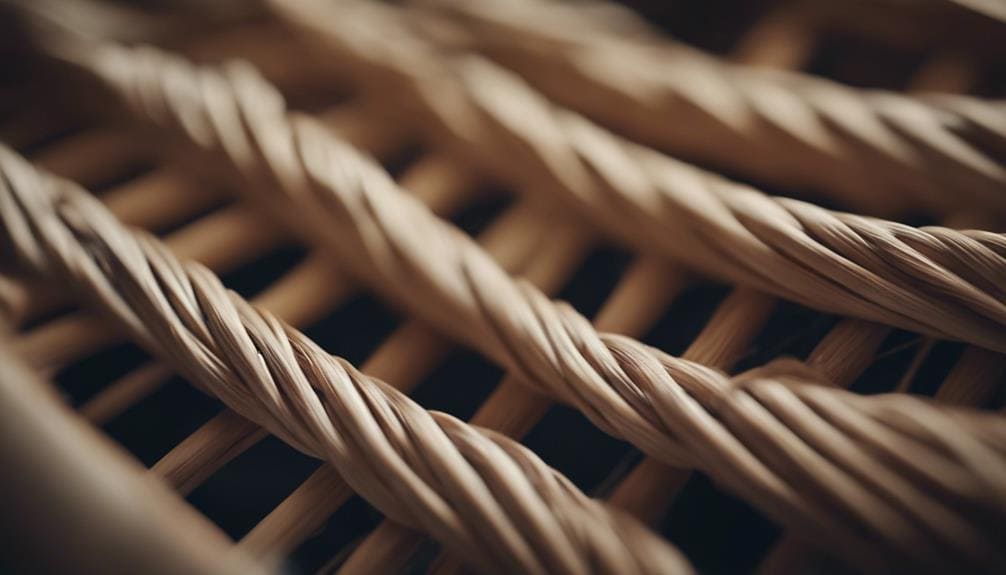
{"x":407,"y":357}
{"x":937,"y":281}
{"x":643,"y":295}
{"x":631,"y":368}
{"x":932,"y":280}
{"x":940,"y":282}
{"x":637,"y":354}
{"x":488,"y":498}
{"x":868,"y":147}
{"x":977,"y":374}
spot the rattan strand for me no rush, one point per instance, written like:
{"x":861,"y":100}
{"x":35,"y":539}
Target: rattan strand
{"x":167,"y":196}
{"x":932,"y":280}
{"x":633,"y":417}
{"x":782,"y":40}
{"x":640,"y":298}
{"x":867,"y":147}
{"x":978,"y":372}
{"x":940,"y":282}
{"x":487,"y":497}
{"x":407,"y":357}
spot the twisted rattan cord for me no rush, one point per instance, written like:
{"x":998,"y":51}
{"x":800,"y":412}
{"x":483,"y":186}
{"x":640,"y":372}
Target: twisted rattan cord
{"x":936,"y":281}
{"x":782,"y":38}
{"x":780,"y":234}
{"x":728,"y":334}
{"x":552,"y":344}
{"x":932,"y":280}
{"x":807,"y":131}
{"x":978,"y":373}
{"x":486,"y":496}
{"x":558,"y":252}
{"x":221,"y":241}
{"x":165,"y":197}
{"x":642,"y":296}
{"x":407,"y":357}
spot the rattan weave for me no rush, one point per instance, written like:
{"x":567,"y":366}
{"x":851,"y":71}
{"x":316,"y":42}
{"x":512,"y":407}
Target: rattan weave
{"x":222,"y":139}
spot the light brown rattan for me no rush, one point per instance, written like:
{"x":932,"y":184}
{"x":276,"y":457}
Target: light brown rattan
{"x":470,"y":299}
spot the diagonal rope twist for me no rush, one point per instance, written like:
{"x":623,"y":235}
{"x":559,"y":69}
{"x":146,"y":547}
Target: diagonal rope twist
{"x":483,"y":494}
{"x":933,"y":280}
{"x":782,"y":443}
{"x":783,"y":127}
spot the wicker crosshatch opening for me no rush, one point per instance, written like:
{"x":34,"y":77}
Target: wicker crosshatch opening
{"x":614,"y":303}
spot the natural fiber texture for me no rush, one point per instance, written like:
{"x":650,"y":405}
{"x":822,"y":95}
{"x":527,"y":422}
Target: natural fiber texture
{"x":867,"y":147}
{"x":783,"y":443}
{"x":933,"y":280}
{"x":487,"y":497}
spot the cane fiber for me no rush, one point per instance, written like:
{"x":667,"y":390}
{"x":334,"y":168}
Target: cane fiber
{"x":887,"y":482}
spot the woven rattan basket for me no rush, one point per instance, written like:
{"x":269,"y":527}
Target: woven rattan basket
{"x":775,"y":342}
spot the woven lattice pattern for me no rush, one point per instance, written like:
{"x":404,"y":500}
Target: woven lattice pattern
{"x":226,"y":144}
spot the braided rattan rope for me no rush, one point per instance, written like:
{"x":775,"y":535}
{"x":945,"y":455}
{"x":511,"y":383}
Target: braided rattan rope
{"x":937,"y":281}
{"x":675,"y":410}
{"x":785,"y":128}
{"x":484,"y":495}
